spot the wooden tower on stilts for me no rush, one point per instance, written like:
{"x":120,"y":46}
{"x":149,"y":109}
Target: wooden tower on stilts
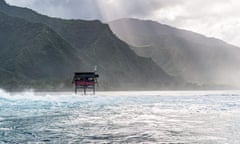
{"x":85,"y":80}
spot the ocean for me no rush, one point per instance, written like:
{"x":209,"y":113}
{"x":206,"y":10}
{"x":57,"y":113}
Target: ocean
{"x":203,"y":117}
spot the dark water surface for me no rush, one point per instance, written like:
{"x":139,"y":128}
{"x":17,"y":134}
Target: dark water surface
{"x":120,"y":117}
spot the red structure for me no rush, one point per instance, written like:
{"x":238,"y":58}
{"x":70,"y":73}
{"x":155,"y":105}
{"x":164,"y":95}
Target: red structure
{"x":85,"y":80}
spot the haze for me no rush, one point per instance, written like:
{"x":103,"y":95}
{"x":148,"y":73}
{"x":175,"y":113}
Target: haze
{"x":215,"y":18}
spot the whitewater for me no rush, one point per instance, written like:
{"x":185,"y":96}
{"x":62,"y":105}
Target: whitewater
{"x":120,"y":117}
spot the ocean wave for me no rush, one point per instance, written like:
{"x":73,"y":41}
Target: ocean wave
{"x":120,"y":117}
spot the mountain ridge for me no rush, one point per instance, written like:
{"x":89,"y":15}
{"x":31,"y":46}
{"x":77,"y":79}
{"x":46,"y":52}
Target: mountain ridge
{"x":184,"y":54}
{"x":95,"y":44}
{"x":27,"y":46}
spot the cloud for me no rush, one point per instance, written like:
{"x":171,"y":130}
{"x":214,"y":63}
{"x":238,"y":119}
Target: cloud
{"x":215,"y":18}
{"x":94,"y":9}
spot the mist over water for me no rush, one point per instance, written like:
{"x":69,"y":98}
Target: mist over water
{"x":120,"y":117}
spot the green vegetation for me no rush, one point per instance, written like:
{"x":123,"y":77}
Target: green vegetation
{"x":40,"y":52}
{"x":191,"y":57}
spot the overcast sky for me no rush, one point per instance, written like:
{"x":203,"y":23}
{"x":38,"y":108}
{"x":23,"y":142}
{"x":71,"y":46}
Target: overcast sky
{"x":214,"y":18}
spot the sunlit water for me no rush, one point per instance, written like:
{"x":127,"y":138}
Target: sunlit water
{"x":120,"y":117}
